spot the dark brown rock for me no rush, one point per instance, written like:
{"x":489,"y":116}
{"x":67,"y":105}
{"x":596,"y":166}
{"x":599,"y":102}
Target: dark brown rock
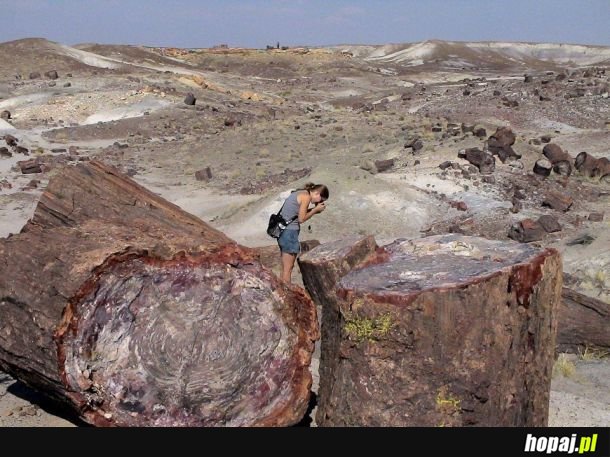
{"x":596,"y":217}
{"x":557,"y":201}
{"x":526,"y":231}
{"x":503,"y":137}
{"x":549,"y":223}
{"x":500,"y":144}
{"x":190,"y":99}
{"x":583,"y":322}
{"x":561,"y":160}
{"x":480,"y":132}
{"x":585,"y":163}
{"x":384,"y":165}
{"x":204,"y":174}
{"x":30,"y":166}
{"x":459,"y":205}
{"x":543,"y":167}
{"x":10,"y":140}
{"x":446,"y":164}
{"x":52,"y":74}
{"x":602,"y":169}
{"x":484,"y":161}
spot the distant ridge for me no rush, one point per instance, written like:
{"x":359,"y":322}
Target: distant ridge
{"x":455,"y":54}
{"x":429,"y":54}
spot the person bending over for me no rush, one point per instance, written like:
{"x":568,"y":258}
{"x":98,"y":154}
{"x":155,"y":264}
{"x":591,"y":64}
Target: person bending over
{"x":298,"y":204}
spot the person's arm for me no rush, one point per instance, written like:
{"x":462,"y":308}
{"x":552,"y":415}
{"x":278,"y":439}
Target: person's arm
{"x":305,"y":213}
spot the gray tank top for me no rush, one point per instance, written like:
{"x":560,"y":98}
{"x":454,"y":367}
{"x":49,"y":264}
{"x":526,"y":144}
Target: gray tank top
{"x":291,"y":209}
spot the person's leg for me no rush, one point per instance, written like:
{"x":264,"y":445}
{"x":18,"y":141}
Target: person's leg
{"x":289,"y":247}
{"x":287,"y":266}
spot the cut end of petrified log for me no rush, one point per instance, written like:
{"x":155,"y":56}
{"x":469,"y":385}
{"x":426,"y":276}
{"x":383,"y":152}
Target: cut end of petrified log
{"x":443,"y":262}
{"x":446,"y":330}
{"x":192,"y":341}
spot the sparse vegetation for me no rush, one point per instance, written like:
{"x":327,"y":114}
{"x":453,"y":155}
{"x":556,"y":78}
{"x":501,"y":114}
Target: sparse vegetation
{"x":446,"y":402}
{"x":362,"y":328}
{"x":564,"y":366}
{"x":589,"y":353}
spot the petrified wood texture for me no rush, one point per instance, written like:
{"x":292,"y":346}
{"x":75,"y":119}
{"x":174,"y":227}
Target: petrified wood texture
{"x":583,"y":321}
{"x":445,"y":330}
{"x":136,"y":313}
{"x":543,"y":167}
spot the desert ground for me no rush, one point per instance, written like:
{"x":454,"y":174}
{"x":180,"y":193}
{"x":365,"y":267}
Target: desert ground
{"x":226,"y":133}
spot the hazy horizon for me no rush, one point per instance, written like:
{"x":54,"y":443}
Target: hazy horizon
{"x":258,"y":23}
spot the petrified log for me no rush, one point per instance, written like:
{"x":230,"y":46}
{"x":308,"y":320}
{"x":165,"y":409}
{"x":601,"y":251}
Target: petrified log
{"x":602,"y":169}
{"x":561,"y":160}
{"x":557,"y":201}
{"x":543,"y":167}
{"x":30,"y":166}
{"x":485,"y":162}
{"x":563,"y":168}
{"x":384,"y":165}
{"x":136,"y":313}
{"x":500,"y":144}
{"x":583,"y":321}
{"x":585,"y":163}
{"x":443,"y":330}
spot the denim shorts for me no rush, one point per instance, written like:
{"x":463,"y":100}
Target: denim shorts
{"x":289,"y":242}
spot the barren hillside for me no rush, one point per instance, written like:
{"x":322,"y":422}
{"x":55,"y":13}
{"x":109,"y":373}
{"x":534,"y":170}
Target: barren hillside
{"x":387,"y":128}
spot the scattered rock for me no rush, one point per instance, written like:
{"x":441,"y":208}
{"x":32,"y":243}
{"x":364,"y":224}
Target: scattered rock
{"x":384,"y":165}
{"x":484,"y":161}
{"x":29,"y":166}
{"x":550,"y":224}
{"x":526,"y":231}
{"x":10,"y":140}
{"x":557,"y":201}
{"x":204,"y":174}
{"x":445,"y":165}
{"x":190,"y":99}
{"x":480,"y":132}
{"x":561,"y":160}
{"x":500,"y":144}
{"x":583,"y":239}
{"x":459,"y":205}
{"x":543,"y":167}
{"x":52,"y":74}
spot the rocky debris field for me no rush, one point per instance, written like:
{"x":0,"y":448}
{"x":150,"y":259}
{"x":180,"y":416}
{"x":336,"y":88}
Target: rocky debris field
{"x":478,"y":146}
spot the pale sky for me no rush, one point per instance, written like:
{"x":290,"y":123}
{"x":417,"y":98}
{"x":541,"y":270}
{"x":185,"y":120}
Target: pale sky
{"x":257,"y":23}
